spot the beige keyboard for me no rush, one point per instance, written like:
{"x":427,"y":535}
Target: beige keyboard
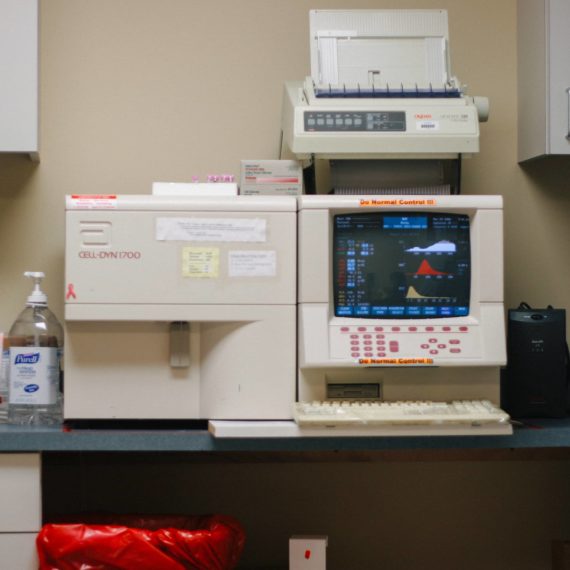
{"x":370,"y":414}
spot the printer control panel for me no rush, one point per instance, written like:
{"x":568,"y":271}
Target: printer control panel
{"x":359,"y":121}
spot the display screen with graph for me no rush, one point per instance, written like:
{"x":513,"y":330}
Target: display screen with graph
{"x":395,"y":265}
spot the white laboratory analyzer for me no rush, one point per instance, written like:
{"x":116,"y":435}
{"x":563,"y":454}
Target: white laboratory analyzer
{"x":400,"y":279}
{"x":180,"y":307}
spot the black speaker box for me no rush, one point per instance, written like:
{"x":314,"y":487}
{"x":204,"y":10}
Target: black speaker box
{"x":535,"y":379}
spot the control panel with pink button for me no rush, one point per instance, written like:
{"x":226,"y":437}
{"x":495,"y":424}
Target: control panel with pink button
{"x":355,"y":342}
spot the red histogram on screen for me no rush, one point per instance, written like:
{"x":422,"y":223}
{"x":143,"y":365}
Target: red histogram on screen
{"x":426,"y":269}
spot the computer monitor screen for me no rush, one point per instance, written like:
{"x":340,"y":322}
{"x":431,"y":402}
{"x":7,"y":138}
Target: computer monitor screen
{"x":410,"y":265}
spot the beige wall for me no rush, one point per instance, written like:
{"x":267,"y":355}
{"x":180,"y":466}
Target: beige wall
{"x":134,"y":91}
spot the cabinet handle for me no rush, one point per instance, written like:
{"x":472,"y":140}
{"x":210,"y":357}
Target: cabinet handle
{"x":568,"y":96}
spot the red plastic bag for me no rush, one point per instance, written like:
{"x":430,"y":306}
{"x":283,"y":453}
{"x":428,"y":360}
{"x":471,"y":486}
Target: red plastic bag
{"x":126,"y":542}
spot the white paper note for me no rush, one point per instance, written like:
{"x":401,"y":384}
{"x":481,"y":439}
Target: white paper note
{"x":212,"y":229}
{"x":252,"y":263}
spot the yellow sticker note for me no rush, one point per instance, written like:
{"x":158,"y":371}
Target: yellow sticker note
{"x":201,"y":262}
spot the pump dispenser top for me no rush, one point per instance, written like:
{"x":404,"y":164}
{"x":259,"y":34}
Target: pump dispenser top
{"x":37,"y":297}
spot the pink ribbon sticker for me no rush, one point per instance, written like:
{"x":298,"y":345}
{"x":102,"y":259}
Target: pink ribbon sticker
{"x":70,"y":292}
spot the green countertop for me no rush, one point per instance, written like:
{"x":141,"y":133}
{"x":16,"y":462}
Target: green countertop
{"x":534,"y":434}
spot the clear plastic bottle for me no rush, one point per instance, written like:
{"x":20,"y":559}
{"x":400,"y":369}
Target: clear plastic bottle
{"x":4,"y":362}
{"x":35,"y":351}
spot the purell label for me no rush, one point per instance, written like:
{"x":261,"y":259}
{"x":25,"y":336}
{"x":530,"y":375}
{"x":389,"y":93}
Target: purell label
{"x":34,"y":375}
{"x":31,"y":358}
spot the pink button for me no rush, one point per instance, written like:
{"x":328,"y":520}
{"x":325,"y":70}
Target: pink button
{"x":367,"y":336}
{"x":361,"y":329}
{"x":396,"y":329}
{"x":367,"y":342}
{"x":394,"y":343}
{"x":394,"y":348}
{"x":378,"y":329}
{"x":412,"y":329}
{"x":463,"y":329}
{"x":429,"y":329}
{"x":455,"y":350}
{"x":355,"y":354}
{"x":454,"y":341}
{"x":446,"y":329}
{"x":441,"y":346}
{"x":344,"y":329}
{"x":424,"y":345}
{"x":434,"y":351}
{"x":381,"y":354}
{"x":380,"y":342}
{"x":380,"y":336}
{"x":432,"y":340}
{"x":354,"y":342}
{"x":354,"y":336}
{"x":368,"y":354}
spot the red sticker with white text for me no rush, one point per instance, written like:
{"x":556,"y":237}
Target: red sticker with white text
{"x":95,"y":201}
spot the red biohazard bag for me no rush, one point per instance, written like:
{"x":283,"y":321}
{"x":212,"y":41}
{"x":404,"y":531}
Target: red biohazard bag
{"x":127,"y":542}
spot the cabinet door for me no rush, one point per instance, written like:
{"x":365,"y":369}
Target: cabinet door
{"x":19,"y":76}
{"x":20,"y":493}
{"x":18,"y":551}
{"x":559,"y":76}
{"x":543,"y":78}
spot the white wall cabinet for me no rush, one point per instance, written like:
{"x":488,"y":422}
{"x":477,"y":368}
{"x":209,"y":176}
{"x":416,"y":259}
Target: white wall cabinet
{"x":543,"y":78}
{"x":19,"y":108}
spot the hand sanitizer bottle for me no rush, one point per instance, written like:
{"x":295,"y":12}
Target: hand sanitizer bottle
{"x":35,"y":352}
